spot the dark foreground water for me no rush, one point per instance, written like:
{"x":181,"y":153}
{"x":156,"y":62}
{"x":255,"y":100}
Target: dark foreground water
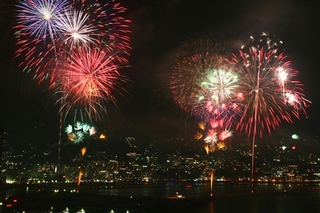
{"x":226,"y":197}
{"x":280,"y":203}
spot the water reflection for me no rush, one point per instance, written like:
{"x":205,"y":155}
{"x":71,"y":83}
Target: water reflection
{"x":289,"y":198}
{"x":163,"y":190}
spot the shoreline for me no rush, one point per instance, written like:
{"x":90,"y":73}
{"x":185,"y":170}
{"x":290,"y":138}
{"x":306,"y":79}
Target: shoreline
{"x":160,"y":184}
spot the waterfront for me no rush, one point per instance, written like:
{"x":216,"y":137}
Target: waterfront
{"x":227,"y":197}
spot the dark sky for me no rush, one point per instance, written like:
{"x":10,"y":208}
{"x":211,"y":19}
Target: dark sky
{"x":158,"y":27}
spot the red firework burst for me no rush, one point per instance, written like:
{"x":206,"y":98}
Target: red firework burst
{"x":271,"y":92}
{"x":87,"y":80}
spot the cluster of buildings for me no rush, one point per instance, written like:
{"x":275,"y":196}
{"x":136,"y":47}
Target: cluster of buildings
{"x":296,"y":160}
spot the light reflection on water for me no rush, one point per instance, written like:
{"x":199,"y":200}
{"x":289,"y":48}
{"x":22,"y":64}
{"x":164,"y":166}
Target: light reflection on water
{"x":286,"y":202}
{"x":195,"y":190}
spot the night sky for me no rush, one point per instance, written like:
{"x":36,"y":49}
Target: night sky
{"x":158,"y":27}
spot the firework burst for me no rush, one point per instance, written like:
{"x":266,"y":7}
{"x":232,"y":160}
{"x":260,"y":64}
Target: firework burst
{"x":76,"y":45}
{"x":77,"y":29}
{"x":112,"y":28}
{"x":193,"y":62}
{"x":205,"y":86}
{"x":87,"y":80}
{"x":37,"y":34}
{"x":46,"y":30}
{"x":212,"y":134}
{"x":39,"y":18}
{"x":271,"y":92}
{"x":219,"y":97}
{"x":79,"y":131}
